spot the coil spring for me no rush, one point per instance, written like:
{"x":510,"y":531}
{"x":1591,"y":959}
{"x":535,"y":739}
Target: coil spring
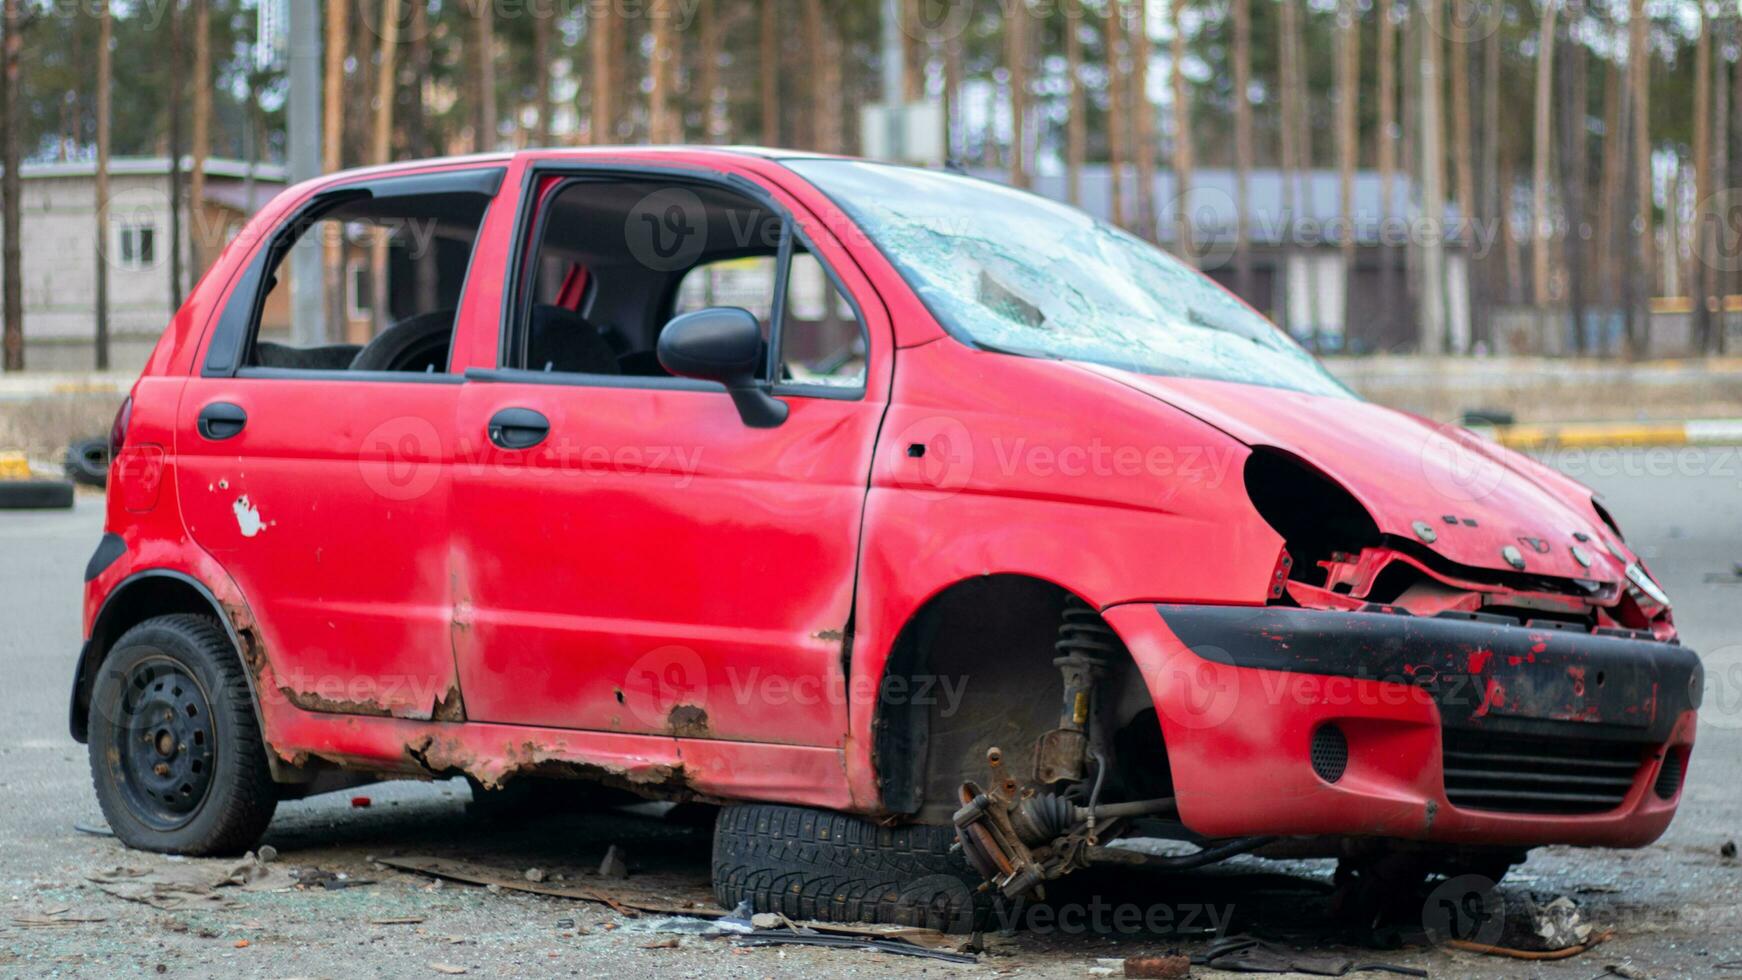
{"x":1084,"y":633}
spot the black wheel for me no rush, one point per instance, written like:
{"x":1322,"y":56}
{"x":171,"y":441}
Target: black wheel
{"x":176,"y":753}
{"x":35,"y":495}
{"x":87,"y":462}
{"x":816,"y":864}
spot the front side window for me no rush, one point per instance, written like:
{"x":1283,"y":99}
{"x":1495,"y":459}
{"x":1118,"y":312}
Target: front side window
{"x":1011,"y":271}
{"x":618,"y":258}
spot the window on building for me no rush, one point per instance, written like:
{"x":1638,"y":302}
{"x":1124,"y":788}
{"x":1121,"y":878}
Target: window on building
{"x":138,"y":246}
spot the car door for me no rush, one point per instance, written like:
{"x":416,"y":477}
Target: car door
{"x":324,"y":489}
{"x":638,"y":559}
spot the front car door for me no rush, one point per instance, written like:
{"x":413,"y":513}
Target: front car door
{"x":635,"y":558}
{"x":317,"y":472}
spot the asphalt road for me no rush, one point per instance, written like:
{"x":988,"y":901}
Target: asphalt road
{"x":1672,"y":905}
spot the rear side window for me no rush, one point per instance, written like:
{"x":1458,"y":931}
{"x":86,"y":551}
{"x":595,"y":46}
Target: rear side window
{"x":390,"y":271}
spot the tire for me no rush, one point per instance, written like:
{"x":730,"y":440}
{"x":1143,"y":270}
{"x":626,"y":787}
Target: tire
{"x":87,"y":462}
{"x":816,"y":864}
{"x":35,"y":495}
{"x":199,"y":784}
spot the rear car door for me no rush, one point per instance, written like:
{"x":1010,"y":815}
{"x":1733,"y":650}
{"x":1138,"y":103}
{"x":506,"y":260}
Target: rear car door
{"x":314,"y":458}
{"x":636,"y":557}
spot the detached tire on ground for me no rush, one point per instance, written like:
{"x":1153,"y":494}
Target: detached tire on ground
{"x":816,"y":864}
{"x":176,"y":754}
{"x":35,"y":495}
{"x":87,"y":462}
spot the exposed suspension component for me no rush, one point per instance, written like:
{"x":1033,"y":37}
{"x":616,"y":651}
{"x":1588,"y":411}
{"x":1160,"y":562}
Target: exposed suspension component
{"x":1086,"y":645}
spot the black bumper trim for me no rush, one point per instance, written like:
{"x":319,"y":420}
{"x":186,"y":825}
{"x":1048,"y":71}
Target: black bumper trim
{"x":108,"y":550}
{"x":1482,"y":675}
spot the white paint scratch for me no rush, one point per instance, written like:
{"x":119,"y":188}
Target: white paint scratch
{"x":247,"y":517}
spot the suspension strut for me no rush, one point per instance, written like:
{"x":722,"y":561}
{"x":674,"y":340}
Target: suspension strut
{"x":1085,"y":646}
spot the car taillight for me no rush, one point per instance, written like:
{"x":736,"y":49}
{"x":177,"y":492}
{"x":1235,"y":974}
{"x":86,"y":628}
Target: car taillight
{"x":118,"y":431}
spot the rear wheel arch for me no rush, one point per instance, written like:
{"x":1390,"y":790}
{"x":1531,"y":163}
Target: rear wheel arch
{"x":145,"y":595}
{"x":972,"y":667}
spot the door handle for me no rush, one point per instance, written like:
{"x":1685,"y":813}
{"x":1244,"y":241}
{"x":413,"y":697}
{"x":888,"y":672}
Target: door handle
{"x":222,"y":420}
{"x":518,"y":428}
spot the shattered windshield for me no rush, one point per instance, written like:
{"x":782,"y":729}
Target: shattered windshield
{"x":1014,"y":272}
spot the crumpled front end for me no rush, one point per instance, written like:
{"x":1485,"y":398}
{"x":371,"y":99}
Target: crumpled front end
{"x":1452,"y":727}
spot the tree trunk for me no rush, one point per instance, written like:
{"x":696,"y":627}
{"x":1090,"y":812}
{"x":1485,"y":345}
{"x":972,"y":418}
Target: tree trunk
{"x":1433,"y":181}
{"x":1639,"y":63}
{"x":1348,"y":88}
{"x":1242,"y":54}
{"x":1574,"y":163}
{"x":1076,"y":126}
{"x":11,"y":248}
{"x":338,"y":44}
{"x":1720,"y":203}
{"x":954,"y":119}
{"x":1118,"y":90}
{"x":177,"y":200}
{"x":541,"y":105}
{"x":380,"y":152}
{"x":708,"y":76}
{"x":1463,"y":153}
{"x":1289,"y":131}
{"x":601,"y":47}
{"x":1609,"y":193}
{"x":105,"y":103}
{"x":1182,"y":138}
{"x":204,"y":242}
{"x":768,"y":64}
{"x":1541,"y":223}
{"x":416,"y":133}
{"x":1733,"y":180}
{"x":484,"y":79}
{"x":1700,"y":280}
{"x":818,"y":54}
{"x":1016,"y":29}
{"x":1143,"y":128}
{"x":1496,"y":205}
{"x":662,"y":62}
{"x":1386,"y":82}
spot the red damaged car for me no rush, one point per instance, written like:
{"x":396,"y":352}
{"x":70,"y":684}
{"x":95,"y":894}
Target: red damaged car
{"x":942,"y":533}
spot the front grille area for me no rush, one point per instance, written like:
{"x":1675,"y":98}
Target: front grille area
{"x":1669,"y":778}
{"x":1515,"y":774}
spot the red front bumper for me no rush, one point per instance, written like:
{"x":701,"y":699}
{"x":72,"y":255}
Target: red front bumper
{"x":1240,"y":703}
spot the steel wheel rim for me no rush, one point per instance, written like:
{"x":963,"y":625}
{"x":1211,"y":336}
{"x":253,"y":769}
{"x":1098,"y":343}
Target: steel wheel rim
{"x":165,"y":743}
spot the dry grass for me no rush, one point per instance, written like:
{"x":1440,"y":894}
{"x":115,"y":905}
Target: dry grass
{"x":42,"y":428}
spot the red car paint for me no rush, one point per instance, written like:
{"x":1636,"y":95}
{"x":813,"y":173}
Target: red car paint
{"x":718,"y":637}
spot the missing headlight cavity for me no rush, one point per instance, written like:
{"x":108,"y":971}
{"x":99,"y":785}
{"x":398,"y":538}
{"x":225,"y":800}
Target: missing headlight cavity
{"x":1313,"y":513}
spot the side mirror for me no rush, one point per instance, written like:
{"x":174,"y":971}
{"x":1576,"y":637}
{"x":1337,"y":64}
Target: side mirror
{"x":723,"y":344}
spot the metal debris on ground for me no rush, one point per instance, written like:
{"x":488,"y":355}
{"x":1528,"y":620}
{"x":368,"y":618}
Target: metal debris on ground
{"x":631,"y":905}
{"x":1728,"y":849}
{"x":1244,"y":954}
{"x":329,"y":880}
{"x":613,"y":864}
{"x":1173,"y":964}
{"x":94,"y":829}
{"x":811,"y":937}
{"x":183,"y":885}
{"x":1539,"y":930}
{"x":56,"y":919}
{"x":397,"y":920}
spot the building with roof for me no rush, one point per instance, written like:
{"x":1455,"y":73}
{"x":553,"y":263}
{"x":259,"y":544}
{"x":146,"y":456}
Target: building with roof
{"x":60,"y":251}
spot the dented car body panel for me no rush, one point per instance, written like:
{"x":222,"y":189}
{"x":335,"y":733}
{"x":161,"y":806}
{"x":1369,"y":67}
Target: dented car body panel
{"x":664,"y":598}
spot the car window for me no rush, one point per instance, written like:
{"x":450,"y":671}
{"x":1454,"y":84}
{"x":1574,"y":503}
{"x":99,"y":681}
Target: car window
{"x":391,"y":272}
{"x":618,"y":258}
{"x":821,"y":340}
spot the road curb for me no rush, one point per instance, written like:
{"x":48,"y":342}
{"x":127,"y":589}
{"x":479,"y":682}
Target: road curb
{"x":1587,"y":435}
